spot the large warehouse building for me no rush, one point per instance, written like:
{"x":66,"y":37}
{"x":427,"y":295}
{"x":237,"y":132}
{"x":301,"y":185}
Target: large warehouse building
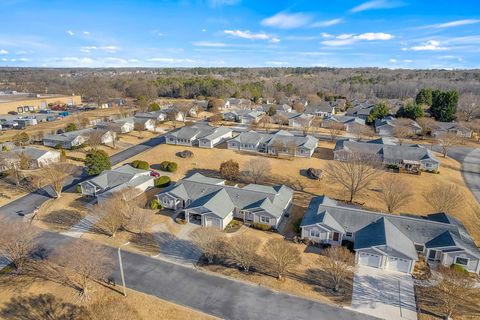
{"x":25,"y":102}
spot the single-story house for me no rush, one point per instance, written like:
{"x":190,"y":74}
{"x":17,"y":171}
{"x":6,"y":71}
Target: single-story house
{"x":407,"y":157}
{"x":386,"y":126}
{"x":278,"y":107}
{"x":37,"y":158}
{"x":116,"y":180}
{"x":300,"y":120}
{"x":25,"y":122}
{"x":233,"y":103}
{"x":144,"y":124}
{"x":323,"y":109}
{"x":391,"y":242}
{"x":361,"y":110}
{"x":244,"y":116}
{"x":348,"y":122}
{"x":279,"y":143}
{"x":210,"y":203}
{"x":154,"y":115}
{"x":72,"y":139}
{"x":199,"y":135}
{"x":451,"y":127}
{"x":118,"y":126}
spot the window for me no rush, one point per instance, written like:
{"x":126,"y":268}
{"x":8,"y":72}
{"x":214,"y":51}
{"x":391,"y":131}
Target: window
{"x":428,"y":165}
{"x":349,"y":234}
{"x":461,"y":261}
{"x":315,"y":233}
{"x":419,"y":247}
{"x":264,"y":219}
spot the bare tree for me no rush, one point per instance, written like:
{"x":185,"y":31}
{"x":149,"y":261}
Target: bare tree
{"x":183,"y":108}
{"x":453,"y":290}
{"x":444,"y":197}
{"x":283,"y":257}
{"x":258,"y":169}
{"x":242,"y":250}
{"x":402,"y":129}
{"x":359,"y":131}
{"x":427,"y":125}
{"x":334,"y":129}
{"x":82,"y":263}
{"x":95,"y":138}
{"x":139,"y":219}
{"x":265,"y":121}
{"x":468,"y":107}
{"x":338,"y":265}
{"x":355,"y":172}
{"x":394,"y":192}
{"x":10,"y":165}
{"x":448,"y":140}
{"x":172,"y":116}
{"x":55,"y":175}
{"x":113,"y":214}
{"x":209,"y":240}
{"x":230,"y":170}
{"x":17,"y":241}
{"x":280,"y":119}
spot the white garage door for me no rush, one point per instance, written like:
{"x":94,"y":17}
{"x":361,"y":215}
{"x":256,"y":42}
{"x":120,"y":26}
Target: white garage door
{"x":212,"y":222}
{"x":397,"y":264}
{"x":368,"y":259}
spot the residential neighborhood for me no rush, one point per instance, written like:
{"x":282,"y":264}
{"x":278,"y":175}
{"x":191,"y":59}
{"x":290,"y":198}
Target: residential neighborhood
{"x":235,"y":159}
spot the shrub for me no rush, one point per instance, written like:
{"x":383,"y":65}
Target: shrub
{"x":180,"y":221}
{"x":172,"y":167}
{"x":70,"y":127}
{"x":230,"y":170}
{"x":78,"y":188}
{"x":164,"y":165}
{"x":155,"y":205}
{"x":348,"y":244}
{"x":392,"y":166}
{"x":161,"y":182}
{"x":140,"y":164}
{"x":459,"y":268}
{"x":261,"y":226}
{"x":185,"y":154}
{"x":296,"y":226}
{"x":58,"y":146}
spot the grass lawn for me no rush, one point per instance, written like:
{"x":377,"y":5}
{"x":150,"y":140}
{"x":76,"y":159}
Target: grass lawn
{"x":106,"y":303}
{"x":286,"y":171}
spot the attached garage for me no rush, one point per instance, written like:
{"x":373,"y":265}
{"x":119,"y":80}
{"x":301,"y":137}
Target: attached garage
{"x":399,"y":264}
{"x":213,"y":222}
{"x":368,"y":259}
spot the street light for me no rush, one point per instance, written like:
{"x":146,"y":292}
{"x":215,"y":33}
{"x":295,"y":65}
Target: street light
{"x":121,"y":267}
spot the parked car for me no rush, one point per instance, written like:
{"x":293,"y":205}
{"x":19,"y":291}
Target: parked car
{"x":154,"y":174}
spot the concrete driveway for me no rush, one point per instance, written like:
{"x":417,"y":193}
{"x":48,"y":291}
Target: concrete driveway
{"x":383,"y":294}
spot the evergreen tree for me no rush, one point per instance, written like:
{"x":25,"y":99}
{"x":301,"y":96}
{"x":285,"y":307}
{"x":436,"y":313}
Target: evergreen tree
{"x":424,"y":97}
{"x":444,"y":105}
{"x":412,"y":111}
{"x":378,"y":112}
{"x":97,"y":161}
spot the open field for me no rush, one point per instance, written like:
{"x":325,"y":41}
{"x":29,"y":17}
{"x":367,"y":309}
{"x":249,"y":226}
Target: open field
{"x":286,"y":171}
{"x":31,"y":300}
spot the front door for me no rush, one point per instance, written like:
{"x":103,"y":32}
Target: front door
{"x":336,"y":236}
{"x":432,"y":255}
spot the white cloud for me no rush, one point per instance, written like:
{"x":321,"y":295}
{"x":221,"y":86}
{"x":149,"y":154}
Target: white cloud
{"x":170,"y":60}
{"x":219,"y":3}
{"x":209,"y":44}
{"x":204,"y":30}
{"x":286,"y":20}
{"x":24,"y":59}
{"x":277,"y":63}
{"x":346,"y":39}
{"x":250,"y":35}
{"x":274,"y":40}
{"x":70,"y":32}
{"x":452,"y":24}
{"x":78,"y":60}
{"x":86,"y":33}
{"x":3,"y":51}
{"x":327,"y":23}
{"x":109,"y":49}
{"x":326,"y":35}
{"x":430,"y":45}
{"x":377,"y":4}
{"x":393,"y":60}
{"x":408,"y":60}
{"x":134,"y":60}
{"x":19,"y":52}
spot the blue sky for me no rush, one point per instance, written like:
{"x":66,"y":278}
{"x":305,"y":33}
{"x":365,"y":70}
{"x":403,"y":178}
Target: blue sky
{"x":244,"y":33}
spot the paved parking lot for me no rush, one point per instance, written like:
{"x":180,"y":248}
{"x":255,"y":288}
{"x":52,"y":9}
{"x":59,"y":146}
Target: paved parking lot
{"x":383,"y":294}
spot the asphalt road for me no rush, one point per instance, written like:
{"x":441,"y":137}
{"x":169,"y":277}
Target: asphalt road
{"x":470,"y":160}
{"x":27,"y":203}
{"x":212,"y":294}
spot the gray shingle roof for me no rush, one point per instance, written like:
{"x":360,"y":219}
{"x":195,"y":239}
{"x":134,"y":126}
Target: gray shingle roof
{"x":251,"y":196}
{"x":416,"y":229}
{"x":200,"y":132}
{"x":282,"y":136}
{"x":110,"y":179}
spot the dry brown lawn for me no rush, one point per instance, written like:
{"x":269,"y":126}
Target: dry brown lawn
{"x":286,"y":171}
{"x":26,"y":302}
{"x":308,"y":280}
{"x":9,"y":192}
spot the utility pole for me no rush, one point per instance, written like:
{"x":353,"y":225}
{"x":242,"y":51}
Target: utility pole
{"x":121,"y":267}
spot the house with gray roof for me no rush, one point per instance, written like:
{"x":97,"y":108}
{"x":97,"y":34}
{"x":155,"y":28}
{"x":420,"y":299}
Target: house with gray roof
{"x":404,"y":156}
{"x":386,"y":126}
{"x":160,"y":115}
{"x":322,"y":109}
{"x":110,"y":181}
{"x":279,"y":143}
{"x":244,"y":116}
{"x":361,"y":110}
{"x":118,"y":126}
{"x":72,"y":139}
{"x":390,"y":241}
{"x":349,"y":123}
{"x":36,"y":157}
{"x":209,"y":202}
{"x":300,"y":120}
{"x":278,"y":107}
{"x":203,"y":136}
{"x":451,"y":127}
